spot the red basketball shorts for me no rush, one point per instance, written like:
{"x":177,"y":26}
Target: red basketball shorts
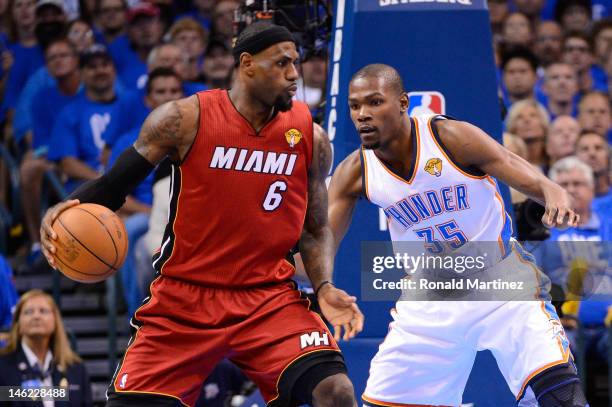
{"x":184,"y":330}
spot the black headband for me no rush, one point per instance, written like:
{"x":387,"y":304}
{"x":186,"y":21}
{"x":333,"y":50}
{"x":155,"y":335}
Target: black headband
{"x":260,"y":41}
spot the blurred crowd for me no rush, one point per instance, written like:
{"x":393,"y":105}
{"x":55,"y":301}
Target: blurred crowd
{"x":554,"y":61}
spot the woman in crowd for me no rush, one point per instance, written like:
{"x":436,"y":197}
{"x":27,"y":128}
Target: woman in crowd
{"x":529,"y":120}
{"x":39,"y":353}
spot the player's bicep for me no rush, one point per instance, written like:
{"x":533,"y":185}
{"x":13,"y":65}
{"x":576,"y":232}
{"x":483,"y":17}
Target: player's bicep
{"x":344,"y":190}
{"x":316,"y":213}
{"x":473,"y":147}
{"x":167,"y":130}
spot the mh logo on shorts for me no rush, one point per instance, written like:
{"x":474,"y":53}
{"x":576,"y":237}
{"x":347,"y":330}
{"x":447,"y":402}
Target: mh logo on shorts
{"x":314,"y":339}
{"x":426,"y":102}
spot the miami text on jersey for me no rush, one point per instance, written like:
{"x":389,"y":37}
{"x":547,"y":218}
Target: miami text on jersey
{"x":266,"y":162}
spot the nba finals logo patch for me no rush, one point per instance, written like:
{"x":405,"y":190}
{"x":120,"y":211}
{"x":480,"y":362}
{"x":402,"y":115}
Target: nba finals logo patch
{"x":426,"y":102}
{"x":434,"y":166}
{"x":293,"y":137}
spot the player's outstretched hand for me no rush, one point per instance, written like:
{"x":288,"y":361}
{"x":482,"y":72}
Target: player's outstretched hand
{"x":341,"y":310}
{"x":47,"y":235}
{"x":559,"y":212}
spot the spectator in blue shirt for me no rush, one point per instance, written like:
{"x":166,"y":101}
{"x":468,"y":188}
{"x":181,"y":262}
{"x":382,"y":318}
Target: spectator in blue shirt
{"x":78,"y":136}
{"x":171,"y":56}
{"x":593,"y":149}
{"x":218,"y":66}
{"x":519,"y":75}
{"x":144,"y":32}
{"x":191,"y":37}
{"x":573,"y":15}
{"x":201,"y":12}
{"x":561,"y":138}
{"x":222,"y":20}
{"x":594,"y":113}
{"x":602,"y":41}
{"x":63,"y":65}
{"x":80,"y":35}
{"x":112,"y":18}
{"x":548,"y":42}
{"x":560,"y":88}
{"x":26,"y":54}
{"x":574,"y":253}
{"x":555,"y":258}
{"x":163,"y":85}
{"x":578,"y":52}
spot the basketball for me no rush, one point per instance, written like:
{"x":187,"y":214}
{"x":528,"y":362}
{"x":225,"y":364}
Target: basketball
{"x":91,"y":243}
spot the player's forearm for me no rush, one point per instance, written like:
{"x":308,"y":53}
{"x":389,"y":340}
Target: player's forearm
{"x":316,"y":250}
{"x":519,"y":174}
{"x":112,"y":188}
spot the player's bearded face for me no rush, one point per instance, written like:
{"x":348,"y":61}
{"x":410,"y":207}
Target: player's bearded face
{"x":283,"y":102}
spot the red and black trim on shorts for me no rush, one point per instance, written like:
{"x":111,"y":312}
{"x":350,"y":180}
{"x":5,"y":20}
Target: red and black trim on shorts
{"x":160,"y":258}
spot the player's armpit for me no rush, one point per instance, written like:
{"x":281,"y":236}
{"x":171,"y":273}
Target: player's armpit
{"x":169,"y":130}
{"x":344,"y":190}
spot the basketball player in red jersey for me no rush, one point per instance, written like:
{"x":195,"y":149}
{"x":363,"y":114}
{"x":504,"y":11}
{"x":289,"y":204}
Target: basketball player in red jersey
{"x":248,"y":183}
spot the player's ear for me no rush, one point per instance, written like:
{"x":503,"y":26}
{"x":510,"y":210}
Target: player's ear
{"x":246,"y":61}
{"x":404,"y":102}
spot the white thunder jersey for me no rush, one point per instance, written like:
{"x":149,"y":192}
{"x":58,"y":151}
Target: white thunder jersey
{"x":429,"y":351}
{"x":440,"y":201}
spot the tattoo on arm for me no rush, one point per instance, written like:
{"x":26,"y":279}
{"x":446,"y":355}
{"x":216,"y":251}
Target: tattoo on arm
{"x":161,"y":133}
{"x":316,"y":243}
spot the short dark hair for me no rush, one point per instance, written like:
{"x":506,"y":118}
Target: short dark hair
{"x":388,"y":73}
{"x":600,"y":25}
{"x":520,"y":53}
{"x":589,"y":132}
{"x":590,"y":93}
{"x":58,"y":40}
{"x":580,"y":35}
{"x":562,"y":6}
{"x":160,"y":72}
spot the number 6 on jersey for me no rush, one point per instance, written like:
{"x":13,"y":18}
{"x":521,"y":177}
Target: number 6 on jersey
{"x":273,"y":197}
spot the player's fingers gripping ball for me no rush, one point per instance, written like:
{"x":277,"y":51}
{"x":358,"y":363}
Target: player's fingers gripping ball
{"x":91,"y":243}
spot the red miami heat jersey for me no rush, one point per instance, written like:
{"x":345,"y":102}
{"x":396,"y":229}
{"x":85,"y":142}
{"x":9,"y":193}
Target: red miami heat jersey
{"x":238,"y":199}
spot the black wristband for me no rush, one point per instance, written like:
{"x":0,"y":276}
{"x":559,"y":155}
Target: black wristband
{"x":321,"y":286}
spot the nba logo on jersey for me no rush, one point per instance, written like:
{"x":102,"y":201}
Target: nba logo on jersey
{"x":427,"y":102}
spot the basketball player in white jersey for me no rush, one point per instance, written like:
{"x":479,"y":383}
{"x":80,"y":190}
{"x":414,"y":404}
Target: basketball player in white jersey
{"x":448,"y":166}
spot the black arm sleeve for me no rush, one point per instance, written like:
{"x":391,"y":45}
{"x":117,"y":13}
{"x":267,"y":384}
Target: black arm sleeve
{"x":112,"y":188}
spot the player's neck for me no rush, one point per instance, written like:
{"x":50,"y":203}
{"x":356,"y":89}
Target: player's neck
{"x":249,"y":107}
{"x":560,"y":107}
{"x":38,"y":345}
{"x":398,"y":151}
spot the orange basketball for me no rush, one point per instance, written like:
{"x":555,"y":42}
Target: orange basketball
{"x":91,"y":243}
